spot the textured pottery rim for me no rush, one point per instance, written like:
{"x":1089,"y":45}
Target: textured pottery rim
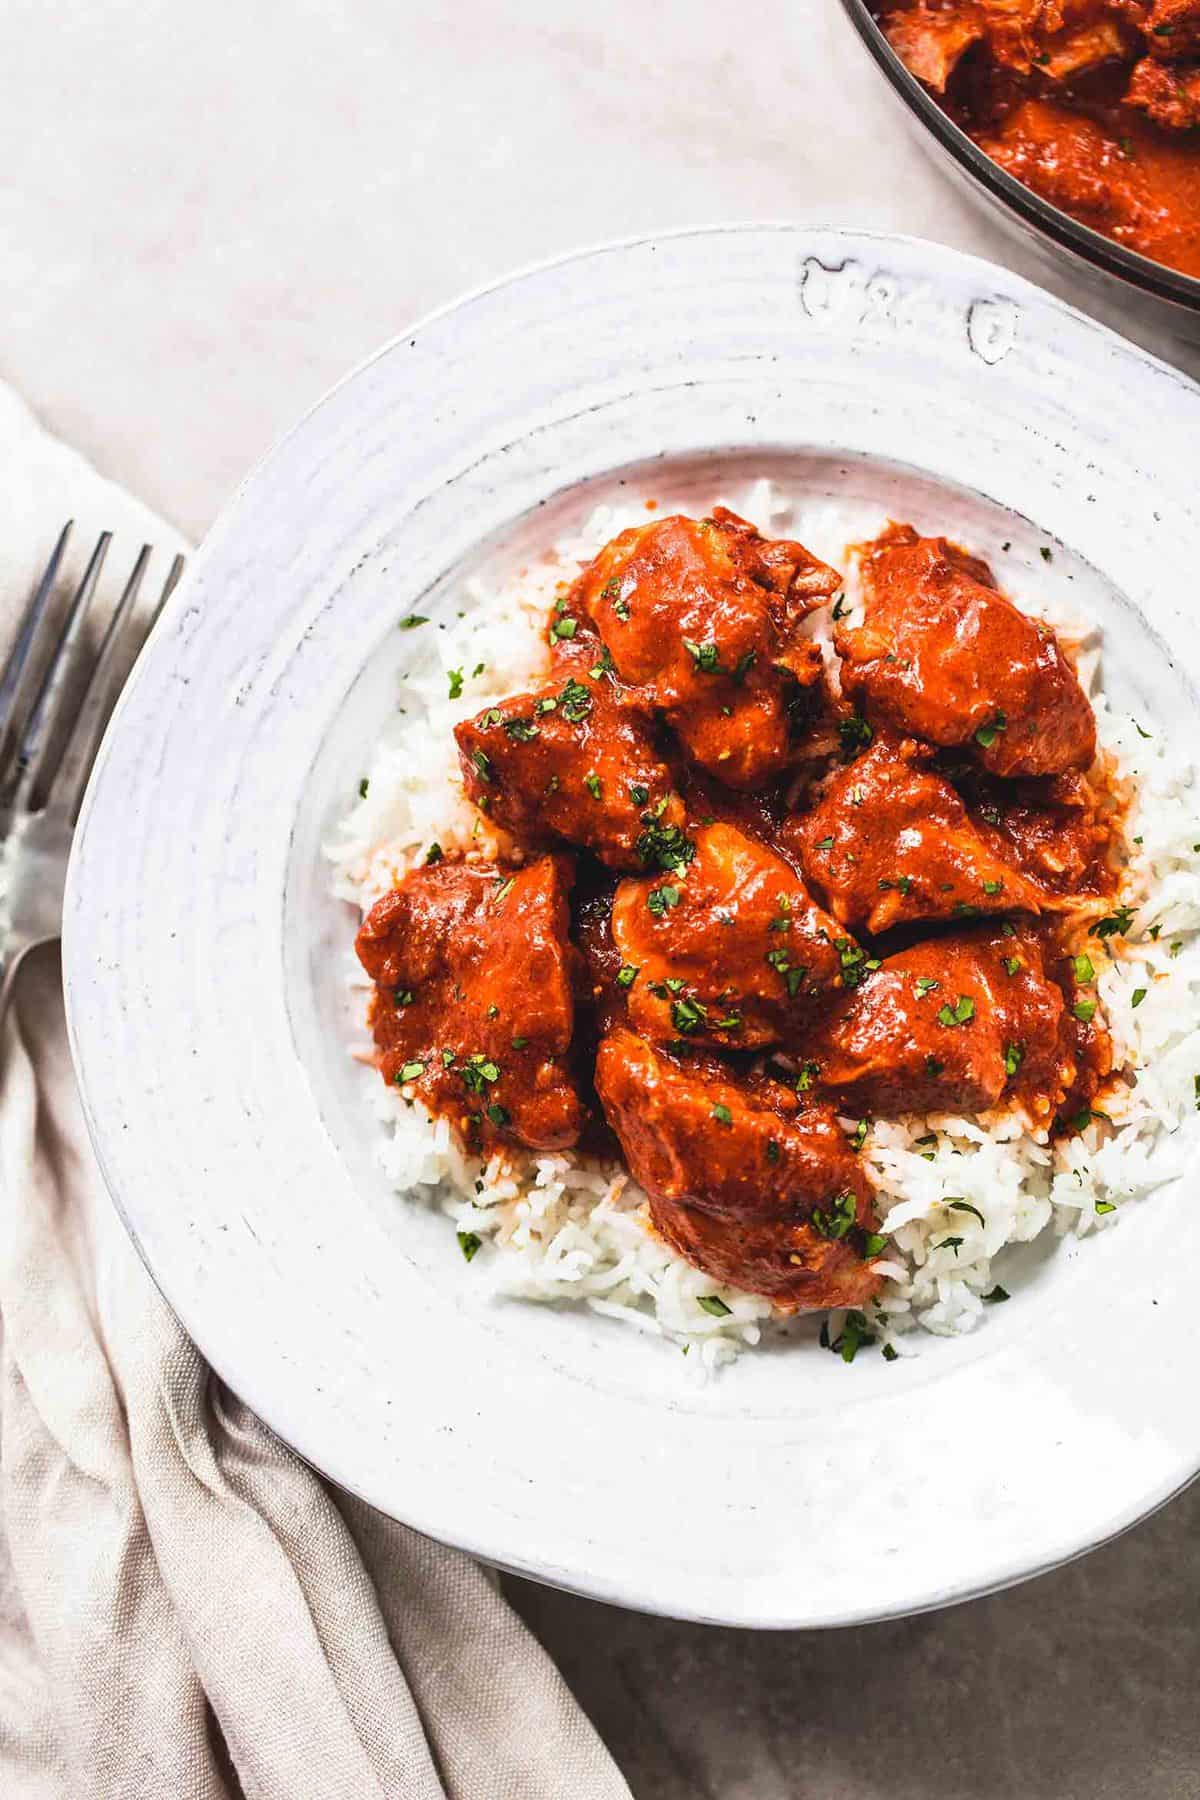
{"x":84,"y":1020}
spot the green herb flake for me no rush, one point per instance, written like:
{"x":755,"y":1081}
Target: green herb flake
{"x":987,"y":734}
{"x":519,"y":1043}
{"x":1084,"y":1011}
{"x":627,"y":974}
{"x":996,"y":1296}
{"x":520,"y":730}
{"x":961,"y":1013}
{"x":839,"y":1218}
{"x":410,"y":1071}
{"x":933,"y":1066}
{"x":722,"y":1114}
{"x":1014,"y":1056}
{"x":993,"y":887}
{"x":854,"y":732}
{"x":660,"y":900}
{"x":926,"y":985}
{"x":1104,"y":1206}
{"x":638,"y":794}
{"x":890,"y":1353}
{"x":563,"y":627}
{"x":873,"y":1244}
{"x":807,"y":1075}
{"x":499,"y":1115}
{"x":950,"y":1243}
{"x":1011,"y":964}
{"x":1139,"y":994}
{"x":956,"y":1203}
{"x":840,"y":608}
{"x":591,"y":782}
{"x":1116,"y":924}
{"x":713,"y":1305}
{"x":363,"y":786}
{"x":772,"y":1151}
{"x":434,"y":854}
{"x":1084,"y":969}
{"x":576,"y":702}
{"x":456,"y":682}
{"x":826,"y":843}
{"x":468,"y":1243}
{"x":483,"y":764}
{"x":1140,"y":732}
{"x":412,"y":621}
{"x":688,"y":1015}
{"x":503,"y":891}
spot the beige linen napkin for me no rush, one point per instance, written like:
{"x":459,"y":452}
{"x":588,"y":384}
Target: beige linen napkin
{"x":186,"y":1611}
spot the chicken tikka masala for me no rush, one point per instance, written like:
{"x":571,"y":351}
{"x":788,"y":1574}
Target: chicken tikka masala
{"x":750,"y":896}
{"x":1094,"y":104}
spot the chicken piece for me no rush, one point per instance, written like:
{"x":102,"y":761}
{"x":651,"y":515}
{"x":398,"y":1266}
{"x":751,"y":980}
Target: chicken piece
{"x":891,"y":842}
{"x":1058,"y":831}
{"x":745,"y":1181}
{"x":571,"y":760}
{"x":942,"y":655}
{"x":1173,"y":29}
{"x":473,"y":1007}
{"x":702,"y":619}
{"x":730,"y":951}
{"x":952,"y":1024}
{"x":931,"y":39}
{"x":1168,"y":93}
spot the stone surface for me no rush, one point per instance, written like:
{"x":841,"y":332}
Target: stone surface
{"x":208,"y":214}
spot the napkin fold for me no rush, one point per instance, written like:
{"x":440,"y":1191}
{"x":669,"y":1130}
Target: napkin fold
{"x":187,"y":1612}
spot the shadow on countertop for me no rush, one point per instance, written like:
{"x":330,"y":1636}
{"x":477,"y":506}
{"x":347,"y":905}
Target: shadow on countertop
{"x":1081,"y":1685}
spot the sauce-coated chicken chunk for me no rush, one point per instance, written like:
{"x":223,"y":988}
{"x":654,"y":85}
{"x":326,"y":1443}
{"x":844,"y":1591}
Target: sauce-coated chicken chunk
{"x":954,"y":1024}
{"x":571,"y":760}
{"x":730,"y":949}
{"x":941,"y":654}
{"x":474,"y":1007}
{"x":702,"y":619}
{"x":746,"y":1181}
{"x":891,"y":842}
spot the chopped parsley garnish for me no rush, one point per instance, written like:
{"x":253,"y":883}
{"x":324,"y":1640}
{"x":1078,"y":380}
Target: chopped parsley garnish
{"x":503,"y":891}
{"x":772,"y":1151}
{"x":363,"y":785}
{"x":519,"y":1043}
{"x":854,"y":731}
{"x":499,"y":1115}
{"x":468,"y":1243}
{"x":520,"y":730}
{"x":1104,"y":1206}
{"x":1116,"y":925}
{"x":1084,"y":969}
{"x":960,"y":1013}
{"x":478,"y":1073}
{"x":403,"y":996}
{"x":933,"y":1066}
{"x":1011,"y":964}
{"x":949,"y":1243}
{"x":591,"y":782}
{"x":604,"y":667}
{"x":611,"y":589}
{"x":661,"y":899}
{"x":744,"y":665}
{"x":902,"y":883}
{"x":1007,"y":930}
{"x":964,"y":910}
{"x":713,"y":1305}
{"x":1082,"y":1119}
{"x":483,"y":764}
{"x":412,"y":621}
{"x":1045,"y":552}
{"x":492,"y":716}
{"x":410,"y":1071}
{"x":873,"y":1243}
{"x":688,"y":1015}
{"x":1083,"y":1010}
{"x":987,"y":734}
{"x":706,"y":658}
{"x":563,"y":627}
{"x":856,"y":1333}
{"x":992,"y":887}
{"x":808,"y":1074}
{"x":839,"y":606}
{"x":1140,"y":732}
{"x":722,"y":1114}
{"x":996,"y":1296}
{"x":456,"y":682}
{"x":956,"y":1203}
{"x":860,"y":1134}
{"x":1014,"y":1056}
{"x":826,"y":843}
{"x":926,"y":985}
{"x":621,"y":608}
{"x":638,"y":794}
{"x":664,"y":846}
{"x":434,"y":854}
{"x":836,"y":1222}
{"x":547,"y":704}
{"x":576,"y":702}
{"x":853,"y":960}
{"x":1196,"y":1090}
{"x":890,"y":1353}
{"x":1139,"y":994}
{"x":627,"y":974}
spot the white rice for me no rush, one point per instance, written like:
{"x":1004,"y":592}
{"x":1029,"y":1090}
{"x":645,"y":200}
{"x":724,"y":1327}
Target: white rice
{"x":564,"y":1228}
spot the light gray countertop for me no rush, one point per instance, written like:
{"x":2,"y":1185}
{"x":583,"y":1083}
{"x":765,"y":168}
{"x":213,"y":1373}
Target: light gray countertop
{"x":208,"y":215}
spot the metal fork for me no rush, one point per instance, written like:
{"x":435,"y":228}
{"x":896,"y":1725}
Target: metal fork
{"x":57,"y":694}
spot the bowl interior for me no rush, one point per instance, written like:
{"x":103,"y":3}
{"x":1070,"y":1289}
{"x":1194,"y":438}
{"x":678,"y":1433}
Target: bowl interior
{"x":326,"y":1010}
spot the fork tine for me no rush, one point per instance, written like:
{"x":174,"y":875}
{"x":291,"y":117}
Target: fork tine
{"x":122,"y":644}
{"x":41,"y":732}
{"x":17,"y":681}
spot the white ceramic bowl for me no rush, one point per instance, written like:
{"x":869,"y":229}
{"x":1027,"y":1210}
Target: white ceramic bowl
{"x":205,"y":958}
